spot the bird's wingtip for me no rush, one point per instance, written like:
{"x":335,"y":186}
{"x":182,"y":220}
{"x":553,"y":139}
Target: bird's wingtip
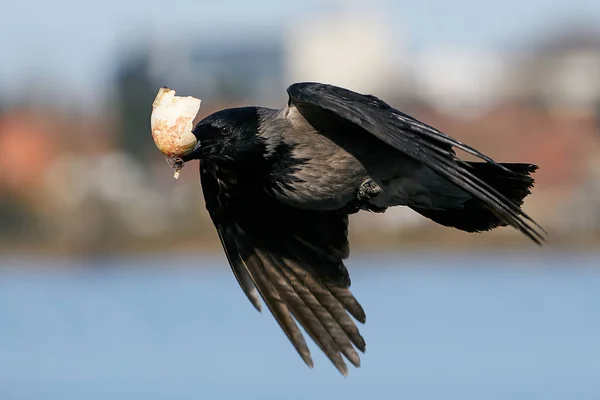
{"x":344,"y":371}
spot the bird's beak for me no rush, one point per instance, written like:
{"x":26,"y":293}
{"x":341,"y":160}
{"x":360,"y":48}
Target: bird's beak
{"x":196,"y":148}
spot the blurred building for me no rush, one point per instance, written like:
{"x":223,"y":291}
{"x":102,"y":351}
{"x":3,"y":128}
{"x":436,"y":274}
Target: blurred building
{"x":352,"y":47}
{"x":226,"y":71}
{"x":460,"y":81}
{"x":561,"y":72}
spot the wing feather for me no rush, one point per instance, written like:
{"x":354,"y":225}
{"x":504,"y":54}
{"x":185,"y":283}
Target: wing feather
{"x":293,"y":259}
{"x":416,"y":139}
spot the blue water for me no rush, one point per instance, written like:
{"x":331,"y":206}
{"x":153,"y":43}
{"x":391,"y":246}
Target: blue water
{"x":438,"y":327}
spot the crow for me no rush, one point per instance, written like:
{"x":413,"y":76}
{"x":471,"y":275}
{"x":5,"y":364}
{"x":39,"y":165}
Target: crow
{"x":280,"y":184}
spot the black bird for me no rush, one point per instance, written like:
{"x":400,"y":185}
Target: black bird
{"x":279,"y":186}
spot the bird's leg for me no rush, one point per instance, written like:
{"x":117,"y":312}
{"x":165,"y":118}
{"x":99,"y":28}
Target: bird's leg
{"x":366,"y":191}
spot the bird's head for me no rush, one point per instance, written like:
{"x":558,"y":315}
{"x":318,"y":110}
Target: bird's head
{"x":228,"y":136}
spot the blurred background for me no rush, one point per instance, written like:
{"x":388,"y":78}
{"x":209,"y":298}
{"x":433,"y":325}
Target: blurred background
{"x":113,"y":282}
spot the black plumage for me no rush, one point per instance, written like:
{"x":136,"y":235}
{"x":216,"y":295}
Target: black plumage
{"x":279,"y":186}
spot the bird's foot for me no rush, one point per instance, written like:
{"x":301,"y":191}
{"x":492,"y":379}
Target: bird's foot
{"x":367,"y":190}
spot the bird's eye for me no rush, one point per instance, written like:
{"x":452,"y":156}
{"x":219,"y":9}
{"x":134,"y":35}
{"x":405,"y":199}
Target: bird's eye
{"x":224,"y":129}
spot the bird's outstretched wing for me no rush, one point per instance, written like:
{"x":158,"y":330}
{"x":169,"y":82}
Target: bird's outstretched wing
{"x":292,"y":258}
{"x":420,"y":141}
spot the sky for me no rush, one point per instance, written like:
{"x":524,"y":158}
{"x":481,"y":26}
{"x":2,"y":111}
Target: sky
{"x":76,"y":44}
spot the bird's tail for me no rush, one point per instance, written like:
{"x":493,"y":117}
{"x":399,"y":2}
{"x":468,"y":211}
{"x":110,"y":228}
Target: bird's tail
{"x":474,"y":215}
